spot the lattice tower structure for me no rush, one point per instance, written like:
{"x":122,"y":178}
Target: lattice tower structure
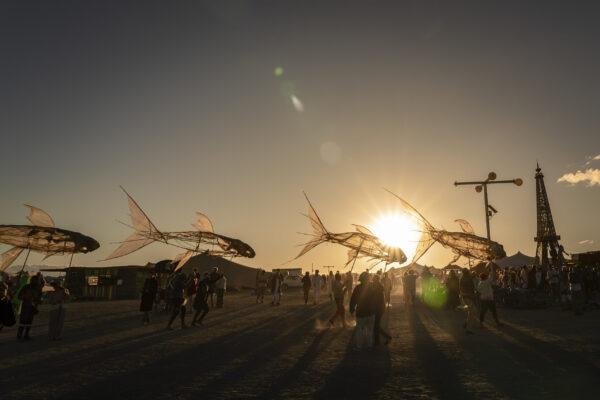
{"x":549,"y":252}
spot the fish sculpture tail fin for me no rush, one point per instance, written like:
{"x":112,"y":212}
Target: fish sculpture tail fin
{"x":319,"y":231}
{"x":8,"y":257}
{"x":145,"y":231}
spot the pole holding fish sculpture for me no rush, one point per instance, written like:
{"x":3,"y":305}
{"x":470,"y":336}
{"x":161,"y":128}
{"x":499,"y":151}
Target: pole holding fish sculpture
{"x":194,"y":242}
{"x":42,"y":237}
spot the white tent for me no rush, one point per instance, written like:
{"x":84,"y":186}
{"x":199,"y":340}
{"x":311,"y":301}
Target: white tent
{"x":516,"y":260}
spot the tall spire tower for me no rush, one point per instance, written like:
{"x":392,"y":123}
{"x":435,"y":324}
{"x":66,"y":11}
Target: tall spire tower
{"x":549,"y":252}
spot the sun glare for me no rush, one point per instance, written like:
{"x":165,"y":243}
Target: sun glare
{"x":398,"y":231}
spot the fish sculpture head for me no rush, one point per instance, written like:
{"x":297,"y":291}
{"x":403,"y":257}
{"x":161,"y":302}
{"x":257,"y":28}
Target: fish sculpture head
{"x":395,"y":254}
{"x":497,"y":251}
{"x":85,"y":244}
{"x":249,"y":252}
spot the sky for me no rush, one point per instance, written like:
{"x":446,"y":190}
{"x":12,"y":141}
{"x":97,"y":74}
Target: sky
{"x":234,"y":108}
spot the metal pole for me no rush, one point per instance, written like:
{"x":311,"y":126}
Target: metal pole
{"x":487,"y":214}
{"x":26,"y":257}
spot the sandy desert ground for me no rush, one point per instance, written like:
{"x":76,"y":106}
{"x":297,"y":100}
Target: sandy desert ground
{"x":249,"y":350}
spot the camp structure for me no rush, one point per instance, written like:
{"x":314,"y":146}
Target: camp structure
{"x":238,"y":276}
{"x":105,"y":283}
{"x":516,"y":260}
{"x":588,"y":258}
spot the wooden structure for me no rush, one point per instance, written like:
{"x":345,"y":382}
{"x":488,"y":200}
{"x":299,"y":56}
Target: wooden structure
{"x":548,"y":252}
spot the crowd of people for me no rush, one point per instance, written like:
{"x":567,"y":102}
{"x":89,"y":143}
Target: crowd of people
{"x":20,"y":299}
{"x":182,"y":293}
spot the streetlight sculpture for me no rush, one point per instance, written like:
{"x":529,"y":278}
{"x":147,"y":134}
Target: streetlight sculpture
{"x":482,"y":185}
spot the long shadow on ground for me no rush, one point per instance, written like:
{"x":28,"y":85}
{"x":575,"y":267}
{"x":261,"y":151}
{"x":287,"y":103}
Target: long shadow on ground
{"x":206,"y":368}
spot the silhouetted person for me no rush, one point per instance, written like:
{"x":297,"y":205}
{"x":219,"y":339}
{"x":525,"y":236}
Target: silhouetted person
{"x":409,"y":281}
{"x":30,"y":296}
{"x":201,"y":300}
{"x":486,"y":295}
{"x":316,"y":285}
{"x":386,"y":282}
{"x":453,"y":291}
{"x":466,"y":288}
{"x":276,"y":281}
{"x":148,"y":295}
{"x":338,"y":291}
{"x":362,"y":306}
{"x":261,"y":286}
{"x":179,"y":284}
{"x":7,"y":312}
{"x":379,"y":305}
{"x":211,"y":288}
{"x":221,"y":287}
{"x":306,"y":283}
{"x":58,"y":300}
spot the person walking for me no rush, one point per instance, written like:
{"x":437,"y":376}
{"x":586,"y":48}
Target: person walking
{"x":58,"y":300}
{"x":452,"y":285}
{"x":213,"y":277}
{"x":179,"y":284}
{"x":349,"y":284}
{"x":276,"y":280}
{"x":30,"y":297}
{"x":201,"y":300}
{"x":338,"y":290}
{"x":388,"y":285}
{"x":466,"y":289}
{"x":316,"y":286}
{"x":306,"y":283}
{"x":190,"y":292}
{"x":362,"y":306}
{"x":221,"y":287}
{"x":261,"y":286}
{"x":148,"y":295}
{"x":379,"y":306}
{"x":409,"y":282}
{"x":486,"y":295}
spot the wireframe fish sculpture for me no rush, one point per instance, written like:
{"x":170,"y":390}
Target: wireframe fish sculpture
{"x":43,"y":237}
{"x":194,"y":242}
{"x":361,"y":243}
{"x":463,"y":244}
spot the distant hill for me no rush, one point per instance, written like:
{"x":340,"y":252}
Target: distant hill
{"x":238,"y":275}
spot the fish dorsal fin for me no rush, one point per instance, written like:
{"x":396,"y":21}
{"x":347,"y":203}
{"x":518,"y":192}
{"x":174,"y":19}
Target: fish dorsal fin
{"x":39,"y":217}
{"x":203,"y":224}
{"x":363,"y":229}
{"x":465,"y":226}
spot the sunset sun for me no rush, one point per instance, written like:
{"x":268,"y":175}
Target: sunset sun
{"x":398,"y":231}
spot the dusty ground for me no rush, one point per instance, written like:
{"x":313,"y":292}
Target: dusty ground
{"x":258,"y":351}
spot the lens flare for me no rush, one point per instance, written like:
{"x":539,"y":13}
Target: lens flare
{"x":297,"y":103}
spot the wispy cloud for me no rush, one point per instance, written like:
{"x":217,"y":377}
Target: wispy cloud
{"x":590,"y":176}
{"x":586,"y":241}
{"x":591,"y":159}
